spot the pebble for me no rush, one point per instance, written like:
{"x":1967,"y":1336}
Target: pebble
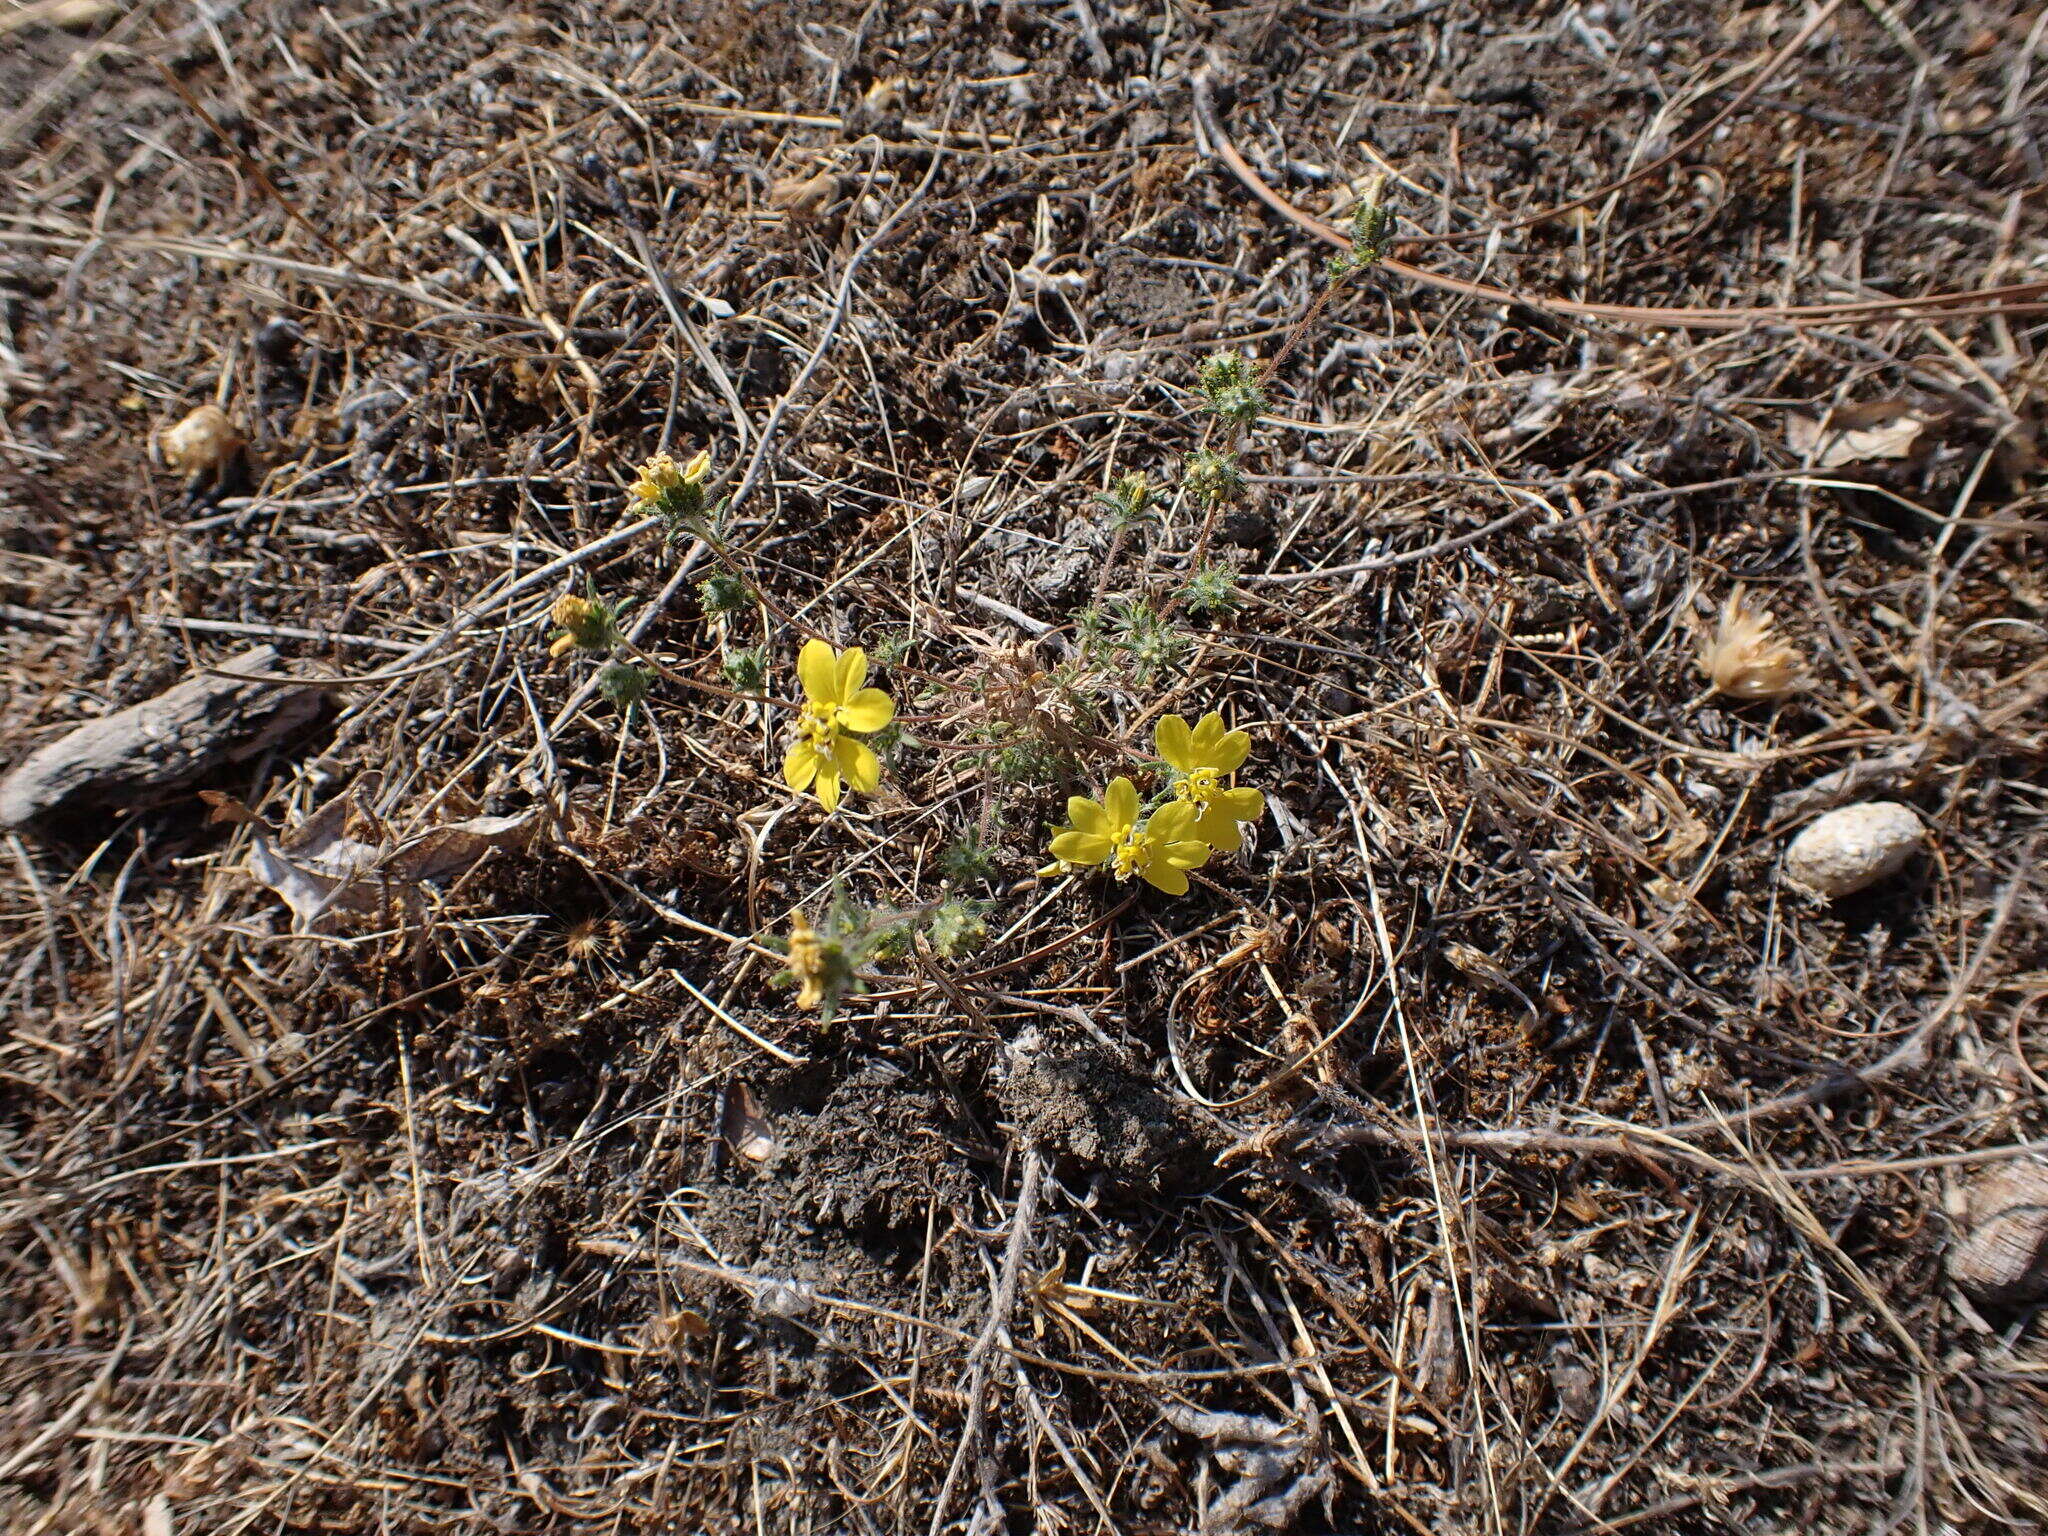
{"x":1851,"y":849}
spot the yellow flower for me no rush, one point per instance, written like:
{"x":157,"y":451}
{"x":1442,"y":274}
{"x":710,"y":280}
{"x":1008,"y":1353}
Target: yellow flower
{"x":661,"y":477}
{"x":586,"y":623}
{"x":658,"y":476}
{"x":1160,"y":852}
{"x":1202,"y":758}
{"x":835,"y":702}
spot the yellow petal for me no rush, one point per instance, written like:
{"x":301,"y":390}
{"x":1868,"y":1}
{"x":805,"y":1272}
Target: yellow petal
{"x":828,"y":787}
{"x":1208,"y":731}
{"x":867,"y":710}
{"x":800,"y":767}
{"x":1086,"y":816}
{"x":1081,"y":847}
{"x":853,"y":671}
{"x":857,"y":761}
{"x":1229,"y":752}
{"x":1173,"y":741}
{"x":817,"y":668}
{"x":1218,"y":830}
{"x":1187,"y":855}
{"x":1166,"y":878}
{"x":1120,"y":802}
{"x":1170,"y":822}
{"x":1242,"y":804}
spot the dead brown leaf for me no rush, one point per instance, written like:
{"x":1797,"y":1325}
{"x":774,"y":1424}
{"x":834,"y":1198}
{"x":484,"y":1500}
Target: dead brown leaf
{"x":1852,"y":434}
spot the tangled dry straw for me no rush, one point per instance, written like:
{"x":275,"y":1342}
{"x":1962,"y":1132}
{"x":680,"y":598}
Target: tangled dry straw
{"x":401,"y":1124}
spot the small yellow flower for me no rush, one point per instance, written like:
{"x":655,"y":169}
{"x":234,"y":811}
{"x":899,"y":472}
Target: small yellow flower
{"x":835,"y":702}
{"x":661,"y":477}
{"x":658,"y":476}
{"x":1160,"y":852}
{"x":1202,"y":759}
{"x":586,"y":623}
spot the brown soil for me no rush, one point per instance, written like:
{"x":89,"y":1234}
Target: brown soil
{"x":1499,"y":1144}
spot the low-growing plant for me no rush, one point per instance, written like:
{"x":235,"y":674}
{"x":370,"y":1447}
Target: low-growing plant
{"x":966,"y":861}
{"x":1134,"y":636}
{"x":1039,"y":722}
{"x":1211,"y":589}
{"x":745,"y":668}
{"x":721,"y":595}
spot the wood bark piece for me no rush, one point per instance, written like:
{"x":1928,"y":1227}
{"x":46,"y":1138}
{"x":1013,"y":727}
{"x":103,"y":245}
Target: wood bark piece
{"x":194,"y":726}
{"x":2001,"y":1257}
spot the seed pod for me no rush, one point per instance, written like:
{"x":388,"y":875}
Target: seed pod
{"x":2001,"y":1255}
{"x":202,"y":445}
{"x":1853,"y":848}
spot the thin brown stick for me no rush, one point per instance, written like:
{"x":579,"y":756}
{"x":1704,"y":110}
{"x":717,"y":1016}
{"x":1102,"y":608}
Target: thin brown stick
{"x":2012,"y":299}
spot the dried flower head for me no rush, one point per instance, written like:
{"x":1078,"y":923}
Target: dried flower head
{"x":806,"y":963}
{"x":824,"y":962}
{"x":202,"y":445}
{"x":804,"y":196}
{"x":886,"y":95}
{"x":590,"y":938}
{"x":1745,"y":657}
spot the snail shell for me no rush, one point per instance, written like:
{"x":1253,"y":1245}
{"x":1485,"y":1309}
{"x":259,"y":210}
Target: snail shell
{"x":1853,"y":848}
{"x":2001,"y":1256}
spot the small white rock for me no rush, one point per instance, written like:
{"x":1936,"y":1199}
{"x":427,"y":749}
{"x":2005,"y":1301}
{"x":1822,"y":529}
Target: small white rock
{"x":1851,"y":849}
